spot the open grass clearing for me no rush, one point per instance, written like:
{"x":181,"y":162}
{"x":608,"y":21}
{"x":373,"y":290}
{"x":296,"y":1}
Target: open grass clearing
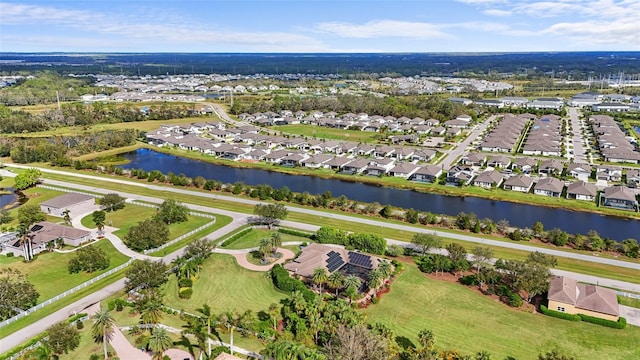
{"x":49,"y":273}
{"x":465,"y":320}
{"x":225,"y":286}
{"x":48,"y":310}
{"x":612,"y":272}
{"x":322,"y":132}
{"x":252,"y":239}
{"x":221,"y":221}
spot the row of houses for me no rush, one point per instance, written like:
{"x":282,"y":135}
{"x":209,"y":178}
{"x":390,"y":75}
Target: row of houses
{"x":544,"y":137}
{"x":504,"y":136}
{"x":597,"y":102}
{"x":361,"y":122}
{"x":612,"y":142}
{"x":509,"y":101}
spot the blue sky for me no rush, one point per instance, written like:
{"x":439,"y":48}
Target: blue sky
{"x":319,"y":26}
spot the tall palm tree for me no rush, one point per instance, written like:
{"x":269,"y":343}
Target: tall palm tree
{"x":335,"y":281}
{"x":298,"y":301}
{"x":276,"y":241}
{"x":320,"y":277}
{"x":102,"y":328}
{"x":274,"y":310}
{"x":66,"y":216}
{"x":197,"y":329}
{"x":24,"y":233}
{"x":265,"y":247}
{"x":159,"y":342}
{"x":208,"y":318}
{"x":230,"y":321}
{"x":385,"y":269}
{"x":352,"y":281}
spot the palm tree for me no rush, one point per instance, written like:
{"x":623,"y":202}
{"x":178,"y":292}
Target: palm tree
{"x":102,"y":328}
{"x":208,"y":317}
{"x":385,"y":269}
{"x":320,"y":277}
{"x":230,"y":321}
{"x":99,"y":218}
{"x":66,"y":216}
{"x":352,"y":281}
{"x":265,"y":248}
{"x":274,"y":310}
{"x":276,"y":241}
{"x":24,"y":233}
{"x":298,"y":301}
{"x":159,"y":342}
{"x":151,"y":313}
{"x":196,"y":328}
{"x":335,"y":281}
{"x":375,"y":278}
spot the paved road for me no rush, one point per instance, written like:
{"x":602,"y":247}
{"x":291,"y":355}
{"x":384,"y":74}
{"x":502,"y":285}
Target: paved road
{"x":461,"y":147}
{"x":579,"y":154}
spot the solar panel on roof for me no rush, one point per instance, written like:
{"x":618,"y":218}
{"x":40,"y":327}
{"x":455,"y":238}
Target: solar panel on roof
{"x":360,"y":259}
{"x":36,"y":228}
{"x":334,"y":261}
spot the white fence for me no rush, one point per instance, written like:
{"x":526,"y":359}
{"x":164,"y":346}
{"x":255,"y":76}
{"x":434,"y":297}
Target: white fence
{"x":181,"y":237}
{"x":65,"y":294}
{"x":629,"y":295}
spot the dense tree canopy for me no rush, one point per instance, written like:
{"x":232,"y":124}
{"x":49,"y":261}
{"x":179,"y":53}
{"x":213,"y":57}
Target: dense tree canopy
{"x":269,"y":214}
{"x":62,"y":338}
{"x":146,"y":274}
{"x":171,"y":211}
{"x":27,"y":179}
{"x":16,"y":292}
{"x":89,"y":259}
{"x":148,"y":234}
{"x":112,"y":202}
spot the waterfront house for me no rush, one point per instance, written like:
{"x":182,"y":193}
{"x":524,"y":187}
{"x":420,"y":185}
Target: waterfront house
{"x":356,"y":166}
{"x":520,"y":183}
{"x":338,"y":162}
{"x":404,"y":170}
{"x":429,"y":173}
{"x":549,"y":187}
{"x":460,"y":175}
{"x":581,"y":190}
{"x":619,"y":197}
{"x":488,"y":179}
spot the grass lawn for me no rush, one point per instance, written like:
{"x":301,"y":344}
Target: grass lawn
{"x":328,"y":133}
{"x":225,"y":286}
{"x":252,"y":239}
{"x":36,"y":196}
{"x":462,"y":319}
{"x":49,"y":274}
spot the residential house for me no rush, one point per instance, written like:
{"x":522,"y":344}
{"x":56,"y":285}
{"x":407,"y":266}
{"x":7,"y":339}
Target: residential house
{"x":499,"y":161}
{"x":379,"y":167}
{"x":405,"y":170}
{"x":474,"y":159}
{"x":551,"y":167}
{"x":43,"y":233}
{"x":520,"y":183}
{"x":356,"y":166}
{"x":460,"y":175}
{"x":429,"y":173}
{"x":581,"y":190}
{"x":317,"y":161}
{"x":579,"y":171}
{"x":568,"y":296}
{"x":338,"y":162}
{"x":73,"y":202}
{"x":488,"y":179}
{"x":619,"y":197}
{"x":549,"y":187}
{"x":524,"y":164}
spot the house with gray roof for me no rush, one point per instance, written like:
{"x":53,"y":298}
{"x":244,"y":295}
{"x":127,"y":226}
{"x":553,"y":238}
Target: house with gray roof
{"x":488,"y":179}
{"x":74,"y":202}
{"x":619,"y":197}
{"x":520,"y":183}
{"x":429,"y":173}
{"x":549,"y":187}
{"x":581,"y":190}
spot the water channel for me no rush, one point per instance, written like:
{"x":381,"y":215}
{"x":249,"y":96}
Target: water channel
{"x":520,"y":215}
{"x":7,"y":197}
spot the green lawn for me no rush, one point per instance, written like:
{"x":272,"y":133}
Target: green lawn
{"x":225,"y":286}
{"x":465,"y":320}
{"x":328,"y":133}
{"x":49,"y":274}
{"x":252,"y":239}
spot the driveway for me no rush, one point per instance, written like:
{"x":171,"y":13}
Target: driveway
{"x":631,"y":314}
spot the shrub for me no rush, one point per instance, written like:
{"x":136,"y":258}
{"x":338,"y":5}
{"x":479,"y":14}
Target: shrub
{"x":514,"y":300}
{"x":295,"y":233}
{"x":185,"y":293}
{"x":469,"y":280}
{"x":185,"y":282}
{"x":10,"y":254}
{"x":94,"y":357}
{"x":375,"y":299}
{"x":236,"y":236}
{"x":559,"y":314}
{"x":394,"y":250}
{"x":620,"y":324}
{"x":79,"y":325}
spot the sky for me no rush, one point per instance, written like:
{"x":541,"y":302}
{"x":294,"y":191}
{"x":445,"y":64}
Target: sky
{"x":316,"y":26}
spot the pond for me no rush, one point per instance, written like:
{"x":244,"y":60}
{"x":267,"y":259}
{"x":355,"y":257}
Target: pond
{"x":520,"y":215}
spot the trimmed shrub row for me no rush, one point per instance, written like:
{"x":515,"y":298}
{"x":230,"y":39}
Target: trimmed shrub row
{"x":620,"y":324}
{"x":559,"y":314}
{"x":236,"y":236}
{"x":295,"y":233}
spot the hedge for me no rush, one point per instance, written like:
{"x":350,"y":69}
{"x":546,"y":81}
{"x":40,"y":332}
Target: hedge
{"x":559,"y":314}
{"x":620,"y":324}
{"x":236,"y":236}
{"x":282,"y":281}
{"x":295,"y":233}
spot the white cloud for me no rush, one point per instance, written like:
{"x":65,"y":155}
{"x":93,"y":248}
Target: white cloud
{"x":382,"y":28}
{"x":497,"y":12}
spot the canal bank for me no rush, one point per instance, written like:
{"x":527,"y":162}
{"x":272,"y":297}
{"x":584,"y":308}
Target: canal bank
{"x":520,"y":215}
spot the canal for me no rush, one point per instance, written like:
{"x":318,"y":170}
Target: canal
{"x":520,"y":215}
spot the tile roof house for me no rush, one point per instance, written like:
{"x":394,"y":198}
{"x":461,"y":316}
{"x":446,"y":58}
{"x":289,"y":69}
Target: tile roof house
{"x":429,"y":173}
{"x":488,"y":179}
{"x":45,"y":232}
{"x":549,"y":187}
{"x":521,"y":183}
{"x":404,"y":170}
{"x":581,"y":190}
{"x":569,"y":296}
{"x":619,"y":197}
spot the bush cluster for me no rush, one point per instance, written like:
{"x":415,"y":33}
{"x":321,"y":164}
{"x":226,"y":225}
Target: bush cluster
{"x":369,"y":243}
{"x":295,"y":233}
{"x":282,"y":281}
{"x":185,"y":293}
{"x":558,"y":314}
{"x":185,"y":282}
{"x":469,"y":280}
{"x":620,"y":324}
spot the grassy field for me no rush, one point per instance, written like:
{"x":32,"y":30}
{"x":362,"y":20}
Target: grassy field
{"x":252,"y":239}
{"x":465,"y":320}
{"x":49,"y":274}
{"x":590,"y":268}
{"x":225,"y":286}
{"x":328,"y":133}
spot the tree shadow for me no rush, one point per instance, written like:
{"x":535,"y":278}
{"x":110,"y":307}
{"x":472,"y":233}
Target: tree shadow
{"x":405,"y":342}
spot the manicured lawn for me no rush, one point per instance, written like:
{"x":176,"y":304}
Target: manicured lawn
{"x":252,"y":239}
{"x":49,"y":274}
{"x":36,"y":196}
{"x":328,"y":133}
{"x":221,"y":221}
{"x":225,"y":286}
{"x":470,"y":322}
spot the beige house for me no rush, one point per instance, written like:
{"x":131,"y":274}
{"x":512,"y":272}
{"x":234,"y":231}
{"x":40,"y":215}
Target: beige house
{"x":45,"y":232}
{"x":569,"y":296}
